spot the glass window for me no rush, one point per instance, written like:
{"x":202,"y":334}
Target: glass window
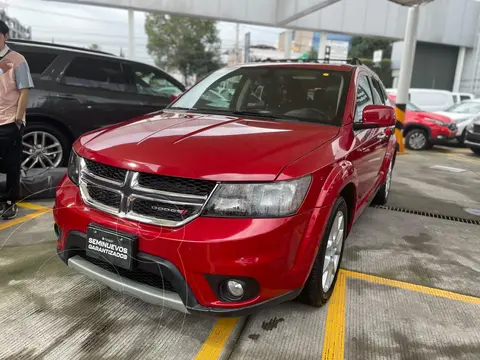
{"x":95,"y":73}
{"x":38,"y":62}
{"x":364,"y":97}
{"x":289,"y":93}
{"x":465,"y":97}
{"x":465,"y":108}
{"x":151,"y":81}
{"x":378,"y":93}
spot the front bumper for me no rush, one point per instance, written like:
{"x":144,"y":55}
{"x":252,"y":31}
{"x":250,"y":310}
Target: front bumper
{"x":275,"y":253}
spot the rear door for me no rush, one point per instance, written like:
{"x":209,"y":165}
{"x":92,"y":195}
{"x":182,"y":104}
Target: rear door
{"x":93,"y":92}
{"x":152,"y":87}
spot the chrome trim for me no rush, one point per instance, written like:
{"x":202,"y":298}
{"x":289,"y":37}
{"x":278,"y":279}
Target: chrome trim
{"x":148,"y":198}
{"x":100,"y":178}
{"x":136,"y":186}
{"x":92,"y":202}
{"x":118,"y":283}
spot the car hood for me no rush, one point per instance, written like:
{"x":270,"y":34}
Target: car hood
{"x":455,"y":116}
{"x":220,"y":148}
{"x":435,"y":116}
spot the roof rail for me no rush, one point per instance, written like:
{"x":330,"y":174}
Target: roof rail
{"x":22,"y":41}
{"x":353,"y":61}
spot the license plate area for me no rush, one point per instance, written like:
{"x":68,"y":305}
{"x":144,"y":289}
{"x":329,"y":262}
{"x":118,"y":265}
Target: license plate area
{"x":111,"y":246}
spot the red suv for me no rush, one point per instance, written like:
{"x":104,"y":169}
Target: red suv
{"x":226,"y":206}
{"x":424,"y":129}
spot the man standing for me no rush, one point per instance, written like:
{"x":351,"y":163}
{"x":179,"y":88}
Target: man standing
{"x":15,"y":82}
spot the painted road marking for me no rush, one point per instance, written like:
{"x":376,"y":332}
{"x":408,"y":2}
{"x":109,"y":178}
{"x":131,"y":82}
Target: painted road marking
{"x":413,"y":287}
{"x":20,"y":220}
{"x":448,"y":168}
{"x":463,"y":158}
{"x":334,"y":335}
{"x":213,"y":346}
{"x":31,"y":206}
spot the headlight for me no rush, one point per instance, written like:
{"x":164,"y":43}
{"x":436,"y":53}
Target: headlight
{"x":73,"y":169}
{"x":438,"y":122}
{"x":260,"y":200}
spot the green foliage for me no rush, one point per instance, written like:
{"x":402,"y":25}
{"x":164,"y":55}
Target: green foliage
{"x":94,"y":47}
{"x":189,"y":45}
{"x":363,"y":47}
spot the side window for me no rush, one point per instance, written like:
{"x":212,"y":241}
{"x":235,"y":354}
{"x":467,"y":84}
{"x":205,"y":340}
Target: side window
{"x":38,"y":62}
{"x":378,"y":93}
{"x":364,"y":97}
{"x":464,"y":97}
{"x":95,"y":73}
{"x":151,"y":81}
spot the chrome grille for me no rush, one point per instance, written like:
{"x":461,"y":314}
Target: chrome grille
{"x":153,"y":199}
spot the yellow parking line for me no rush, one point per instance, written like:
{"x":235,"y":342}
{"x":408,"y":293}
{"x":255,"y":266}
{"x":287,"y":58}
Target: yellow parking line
{"x":334,"y":338}
{"x":413,"y":287}
{"x":213,"y":346}
{"x":31,"y":206}
{"x":10,"y":223}
{"x":460,"y":157}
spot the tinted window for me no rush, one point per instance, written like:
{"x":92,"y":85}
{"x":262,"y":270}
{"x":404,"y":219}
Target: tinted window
{"x":95,"y":73}
{"x":378,"y":93}
{"x":150,"y":81}
{"x":312,"y":95}
{"x":464,"y":97}
{"x":38,"y":62}
{"x":364,"y":97}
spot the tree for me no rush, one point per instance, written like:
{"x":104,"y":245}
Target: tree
{"x":191,"y":46}
{"x":94,"y":47}
{"x":363,"y":47}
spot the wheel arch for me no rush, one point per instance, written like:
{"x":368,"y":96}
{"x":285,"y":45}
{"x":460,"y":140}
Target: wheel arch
{"x":411,"y":126}
{"x":51,"y":120}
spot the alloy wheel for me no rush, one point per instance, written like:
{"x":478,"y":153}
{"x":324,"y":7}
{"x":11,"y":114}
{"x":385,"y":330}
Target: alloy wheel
{"x":41,"y":150}
{"x":417,"y":141}
{"x":333,"y":251}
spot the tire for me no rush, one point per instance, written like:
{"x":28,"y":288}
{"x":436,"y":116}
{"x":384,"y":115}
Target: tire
{"x":52,"y":135}
{"x":314,"y":293}
{"x":476,"y":150}
{"x":417,"y":139}
{"x":383,"y":192}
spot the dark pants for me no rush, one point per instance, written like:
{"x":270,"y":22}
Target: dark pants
{"x":11,"y":160}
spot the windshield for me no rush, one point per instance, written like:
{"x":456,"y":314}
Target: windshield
{"x":288,"y":93}
{"x":465,"y":108}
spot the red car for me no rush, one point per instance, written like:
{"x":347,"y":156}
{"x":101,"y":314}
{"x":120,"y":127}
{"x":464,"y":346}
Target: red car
{"x":423,"y":129}
{"x":226,"y":207}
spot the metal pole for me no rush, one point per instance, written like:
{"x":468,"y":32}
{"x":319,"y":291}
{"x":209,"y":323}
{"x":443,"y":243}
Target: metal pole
{"x":405,"y":76}
{"x":288,"y":44}
{"x":237,"y":42}
{"x":131,"y":34}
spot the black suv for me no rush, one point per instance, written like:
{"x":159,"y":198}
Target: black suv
{"x":78,"y":90}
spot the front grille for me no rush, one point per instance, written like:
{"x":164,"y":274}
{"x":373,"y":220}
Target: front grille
{"x":153,"y":199}
{"x":106,"y":171}
{"x":165,"y":211}
{"x":476,"y":128}
{"x":176,"y":185}
{"x":104,"y":196}
{"x":137,"y":275}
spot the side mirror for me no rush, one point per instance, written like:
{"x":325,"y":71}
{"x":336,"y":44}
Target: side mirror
{"x":376,"y":116}
{"x":174,"y":97}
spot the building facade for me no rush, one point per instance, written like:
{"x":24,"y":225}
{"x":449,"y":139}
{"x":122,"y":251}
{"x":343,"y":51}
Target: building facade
{"x":17,"y":30}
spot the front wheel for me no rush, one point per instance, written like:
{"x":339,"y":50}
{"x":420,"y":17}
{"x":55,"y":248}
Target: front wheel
{"x":322,"y":279}
{"x":417,"y":139}
{"x":476,"y":150}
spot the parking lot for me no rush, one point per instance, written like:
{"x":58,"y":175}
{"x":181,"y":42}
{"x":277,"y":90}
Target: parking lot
{"x":409,"y":288}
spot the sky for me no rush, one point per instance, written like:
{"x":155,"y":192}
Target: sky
{"x":82,"y":25}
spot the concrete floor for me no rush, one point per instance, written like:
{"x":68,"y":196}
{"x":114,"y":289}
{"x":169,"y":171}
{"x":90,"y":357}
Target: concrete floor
{"x":409,"y":289}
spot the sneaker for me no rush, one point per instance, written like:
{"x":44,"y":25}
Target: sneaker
{"x":10,"y":211}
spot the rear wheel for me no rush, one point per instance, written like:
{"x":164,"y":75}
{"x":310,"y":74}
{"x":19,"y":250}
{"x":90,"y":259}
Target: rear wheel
{"x":44,"y":146}
{"x":322,"y":279}
{"x":417,"y":139}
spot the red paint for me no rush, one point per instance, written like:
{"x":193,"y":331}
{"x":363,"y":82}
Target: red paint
{"x":278,"y":253}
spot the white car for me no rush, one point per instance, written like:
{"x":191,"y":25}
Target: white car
{"x":429,"y":99}
{"x":463,"y":114}
{"x":459,"y":97}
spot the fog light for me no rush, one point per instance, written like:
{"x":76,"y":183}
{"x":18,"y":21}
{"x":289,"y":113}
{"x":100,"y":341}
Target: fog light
{"x":235,"y":288}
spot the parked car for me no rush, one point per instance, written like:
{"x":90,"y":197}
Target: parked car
{"x":225,"y":210}
{"x":423,"y":129}
{"x":78,"y":90}
{"x":472,"y":138}
{"x":464,"y":114}
{"x":429,"y":99}
{"x":459,"y":97}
